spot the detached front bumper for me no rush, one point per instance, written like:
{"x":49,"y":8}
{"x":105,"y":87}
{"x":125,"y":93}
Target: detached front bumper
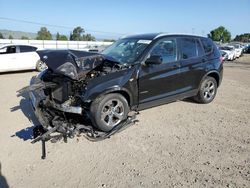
{"x":36,"y":96}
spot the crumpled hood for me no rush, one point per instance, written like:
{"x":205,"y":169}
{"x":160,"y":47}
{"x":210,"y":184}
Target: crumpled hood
{"x":71,"y":63}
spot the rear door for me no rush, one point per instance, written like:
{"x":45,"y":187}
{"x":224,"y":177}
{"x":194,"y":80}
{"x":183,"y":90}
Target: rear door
{"x":27,"y":57}
{"x":192,"y":63}
{"x":162,"y":80}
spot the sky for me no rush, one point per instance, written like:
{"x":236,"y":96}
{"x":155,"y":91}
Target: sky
{"x":114,"y":18}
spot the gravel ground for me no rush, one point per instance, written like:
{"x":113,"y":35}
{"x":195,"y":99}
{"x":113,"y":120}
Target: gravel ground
{"x":182,"y":144}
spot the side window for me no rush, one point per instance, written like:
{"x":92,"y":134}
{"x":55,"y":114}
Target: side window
{"x":166,"y":48}
{"x":27,"y":49}
{"x":207,"y":45}
{"x":188,"y":48}
{"x":11,"y":50}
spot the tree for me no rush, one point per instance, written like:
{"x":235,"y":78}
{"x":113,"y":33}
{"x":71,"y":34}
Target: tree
{"x":243,"y":37}
{"x":77,"y":34}
{"x":10,"y":37}
{"x":88,"y":37}
{"x":24,"y":38}
{"x":1,"y":36}
{"x":44,"y":34}
{"x":61,"y":37}
{"x":220,"y":34}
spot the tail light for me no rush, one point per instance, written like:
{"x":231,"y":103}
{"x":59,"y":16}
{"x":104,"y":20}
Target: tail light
{"x":221,"y":59}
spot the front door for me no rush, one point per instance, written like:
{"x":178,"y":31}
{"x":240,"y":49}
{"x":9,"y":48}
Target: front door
{"x":158,"y":81}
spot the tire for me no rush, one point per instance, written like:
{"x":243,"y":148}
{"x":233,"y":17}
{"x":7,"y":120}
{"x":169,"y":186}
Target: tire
{"x":207,"y":91}
{"x":108,"y":111}
{"x":41,"y":66}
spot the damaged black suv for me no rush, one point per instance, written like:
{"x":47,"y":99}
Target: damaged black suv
{"x":135,"y":73}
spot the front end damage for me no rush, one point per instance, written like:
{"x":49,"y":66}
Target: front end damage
{"x":60,"y":95}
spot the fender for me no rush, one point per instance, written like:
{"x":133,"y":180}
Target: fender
{"x":123,"y":82}
{"x":211,"y":72}
{"x":125,"y":92}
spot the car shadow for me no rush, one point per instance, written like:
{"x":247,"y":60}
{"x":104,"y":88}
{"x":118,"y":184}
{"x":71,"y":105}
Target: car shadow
{"x":25,"y":107}
{"x":3,"y":181}
{"x":189,"y":100}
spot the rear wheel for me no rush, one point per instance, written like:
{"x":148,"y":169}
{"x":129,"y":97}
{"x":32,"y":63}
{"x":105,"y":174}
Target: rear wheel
{"x":108,"y":111}
{"x":207,"y":92}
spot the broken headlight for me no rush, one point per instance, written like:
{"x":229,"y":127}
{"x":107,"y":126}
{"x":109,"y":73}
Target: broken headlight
{"x":68,"y":69}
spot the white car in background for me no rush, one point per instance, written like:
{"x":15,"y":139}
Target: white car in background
{"x":238,"y":49}
{"x":230,"y":51}
{"x":15,"y":57}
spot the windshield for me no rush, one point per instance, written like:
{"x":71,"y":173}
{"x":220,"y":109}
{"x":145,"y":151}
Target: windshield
{"x":127,"y":50}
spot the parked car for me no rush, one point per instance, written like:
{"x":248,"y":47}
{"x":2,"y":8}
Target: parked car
{"x":224,"y":55}
{"x":230,"y":51}
{"x":238,"y":49}
{"x":248,"y":49}
{"x":95,"y":48}
{"x":135,"y":73}
{"x":14,"y":57}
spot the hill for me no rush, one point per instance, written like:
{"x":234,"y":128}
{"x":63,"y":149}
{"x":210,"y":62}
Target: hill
{"x":17,"y":34}
{"x":30,"y":35}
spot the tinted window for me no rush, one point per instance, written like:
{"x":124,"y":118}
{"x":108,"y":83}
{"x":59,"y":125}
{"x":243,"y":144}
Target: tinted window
{"x":27,"y":48}
{"x":225,"y":48}
{"x":188,"y":47}
{"x":207,"y":45}
{"x":11,"y":49}
{"x":166,"y":48}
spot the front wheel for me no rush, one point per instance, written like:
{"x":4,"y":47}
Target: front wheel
{"x":207,"y":92}
{"x":108,"y":111}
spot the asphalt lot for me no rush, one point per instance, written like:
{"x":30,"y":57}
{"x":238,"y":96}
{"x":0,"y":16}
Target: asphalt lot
{"x":175,"y":145}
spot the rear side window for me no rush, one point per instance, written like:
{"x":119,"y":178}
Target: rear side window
{"x":11,"y":49}
{"x":27,"y":49}
{"x":188,"y":48}
{"x":207,"y":45}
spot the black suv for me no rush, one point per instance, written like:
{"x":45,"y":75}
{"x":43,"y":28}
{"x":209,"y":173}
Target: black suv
{"x":135,"y":73}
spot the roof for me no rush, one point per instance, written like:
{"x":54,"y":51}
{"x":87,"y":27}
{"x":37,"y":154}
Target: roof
{"x":152,"y":36}
{"x":6,"y":45}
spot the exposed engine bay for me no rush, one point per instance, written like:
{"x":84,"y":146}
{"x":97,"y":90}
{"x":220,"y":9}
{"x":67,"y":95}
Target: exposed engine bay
{"x":68,"y":90}
{"x":58,"y":95}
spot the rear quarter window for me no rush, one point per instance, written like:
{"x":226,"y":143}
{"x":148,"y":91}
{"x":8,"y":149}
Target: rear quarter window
{"x":207,"y":45}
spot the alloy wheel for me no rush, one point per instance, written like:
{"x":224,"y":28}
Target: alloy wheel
{"x":112,"y":112}
{"x":209,"y":90}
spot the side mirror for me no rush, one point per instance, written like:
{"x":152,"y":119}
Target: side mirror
{"x":154,"y":59}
